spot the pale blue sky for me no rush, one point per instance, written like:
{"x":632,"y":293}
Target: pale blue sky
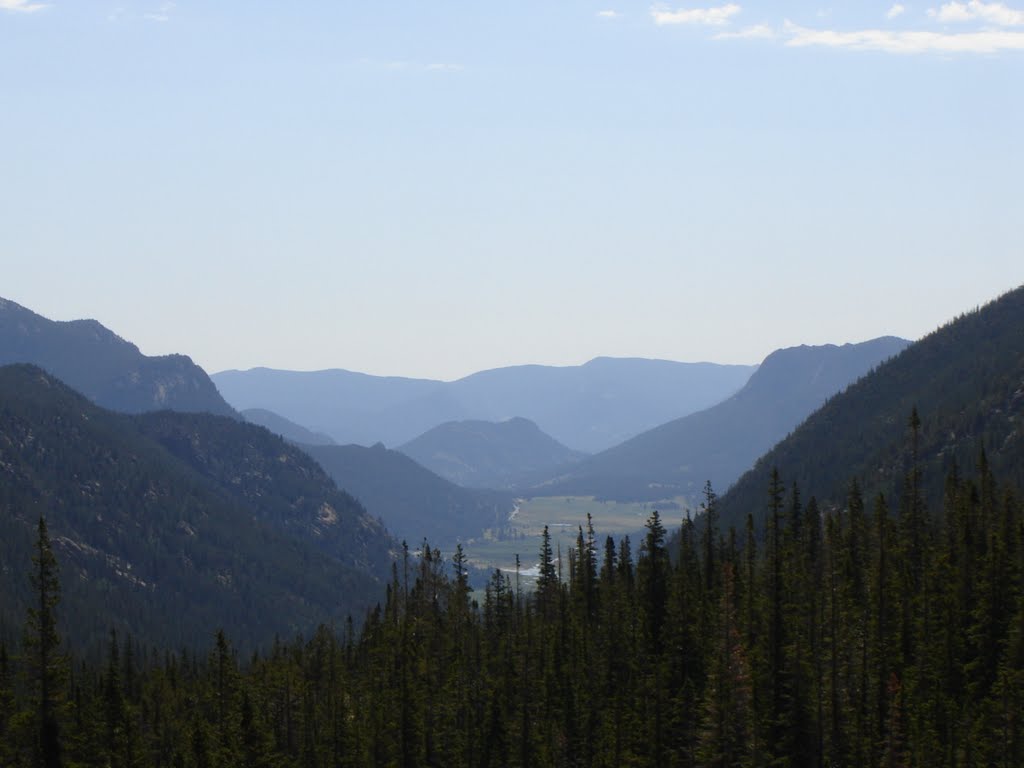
{"x":433,"y":188}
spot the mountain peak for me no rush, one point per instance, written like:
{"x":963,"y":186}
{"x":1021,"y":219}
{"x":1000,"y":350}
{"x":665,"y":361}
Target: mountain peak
{"x":106,"y":368}
{"x":488,"y":454}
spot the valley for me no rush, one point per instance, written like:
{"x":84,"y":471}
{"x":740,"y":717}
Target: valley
{"x":564,"y":516}
{"x":511,"y":385}
{"x":307,"y":555}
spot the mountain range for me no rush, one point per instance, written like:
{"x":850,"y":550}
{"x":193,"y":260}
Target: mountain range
{"x":718,"y":444}
{"x":586,"y":407}
{"x":168,"y":523}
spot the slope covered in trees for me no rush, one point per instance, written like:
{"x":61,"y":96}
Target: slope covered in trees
{"x":966,"y":381}
{"x":411,"y":500}
{"x":722,"y":442}
{"x":488,"y":454}
{"x":104,"y":367}
{"x":854,"y":636}
{"x":168,"y":522}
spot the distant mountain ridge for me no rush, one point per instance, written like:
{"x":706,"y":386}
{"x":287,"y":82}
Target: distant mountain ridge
{"x":586,"y":407}
{"x":721,"y":442}
{"x":487,"y":454}
{"x":966,"y":381}
{"x":289,"y":430}
{"x":104,"y":367}
{"x":167,"y":524}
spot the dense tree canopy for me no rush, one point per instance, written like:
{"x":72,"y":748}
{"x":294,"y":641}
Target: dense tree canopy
{"x":869,"y":633}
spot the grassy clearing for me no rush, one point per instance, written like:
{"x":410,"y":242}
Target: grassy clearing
{"x":563,"y":515}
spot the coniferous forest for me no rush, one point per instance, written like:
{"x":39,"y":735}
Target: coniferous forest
{"x":882,"y":632}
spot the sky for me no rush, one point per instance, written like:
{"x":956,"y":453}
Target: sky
{"x":435,"y":188}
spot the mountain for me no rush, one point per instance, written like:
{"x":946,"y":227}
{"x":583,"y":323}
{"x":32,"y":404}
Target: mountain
{"x":720,"y":443}
{"x":412,"y":501}
{"x":587,"y":407}
{"x":104,"y":367}
{"x":487,"y":454}
{"x":289,"y":430}
{"x":167,"y":525}
{"x":966,"y":381}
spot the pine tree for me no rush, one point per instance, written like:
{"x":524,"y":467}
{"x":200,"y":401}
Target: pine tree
{"x":710,"y":508}
{"x":725,"y":738}
{"x":6,"y":707}
{"x":885,"y":610}
{"x":547,"y":580}
{"x":45,"y":663}
{"x":652,"y":580}
{"x":114,"y":713}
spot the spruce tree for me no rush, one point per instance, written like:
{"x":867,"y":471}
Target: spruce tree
{"x":6,"y":707}
{"x":44,"y":661}
{"x":547,"y":580}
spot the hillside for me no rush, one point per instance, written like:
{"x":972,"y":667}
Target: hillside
{"x":587,"y":407}
{"x":289,"y":430}
{"x":721,"y":442}
{"x":104,"y":367}
{"x":487,"y":454}
{"x":169,"y":524}
{"x":966,"y":381}
{"x":412,"y":501}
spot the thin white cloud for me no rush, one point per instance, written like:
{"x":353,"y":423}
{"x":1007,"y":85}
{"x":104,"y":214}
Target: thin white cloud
{"x":974,"y":10}
{"x":992,"y":36}
{"x":756,"y":32}
{"x":907,"y":42}
{"x":715,"y":16}
{"x":161,"y":16}
{"x":444,"y":67}
{"x":608,"y":15}
{"x":403,"y":65}
{"x":21,"y":6}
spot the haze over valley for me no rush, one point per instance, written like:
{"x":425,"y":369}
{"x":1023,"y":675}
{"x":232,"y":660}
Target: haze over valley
{"x":531,"y":385}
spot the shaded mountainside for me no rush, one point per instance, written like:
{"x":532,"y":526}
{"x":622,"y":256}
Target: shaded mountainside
{"x":487,"y":454}
{"x":720,"y":443}
{"x":412,"y":501}
{"x":586,"y":407}
{"x":966,"y":381}
{"x":289,"y":430}
{"x":169,"y":524}
{"x":104,"y":367}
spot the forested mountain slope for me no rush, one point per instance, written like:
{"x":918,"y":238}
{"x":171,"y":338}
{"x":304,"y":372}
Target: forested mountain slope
{"x":289,"y":430}
{"x":847,"y":638}
{"x":168,"y":524}
{"x":488,"y":454}
{"x":587,"y":407}
{"x":104,"y":367}
{"x":413,"y":502}
{"x":720,"y":443}
{"x":966,"y":381}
